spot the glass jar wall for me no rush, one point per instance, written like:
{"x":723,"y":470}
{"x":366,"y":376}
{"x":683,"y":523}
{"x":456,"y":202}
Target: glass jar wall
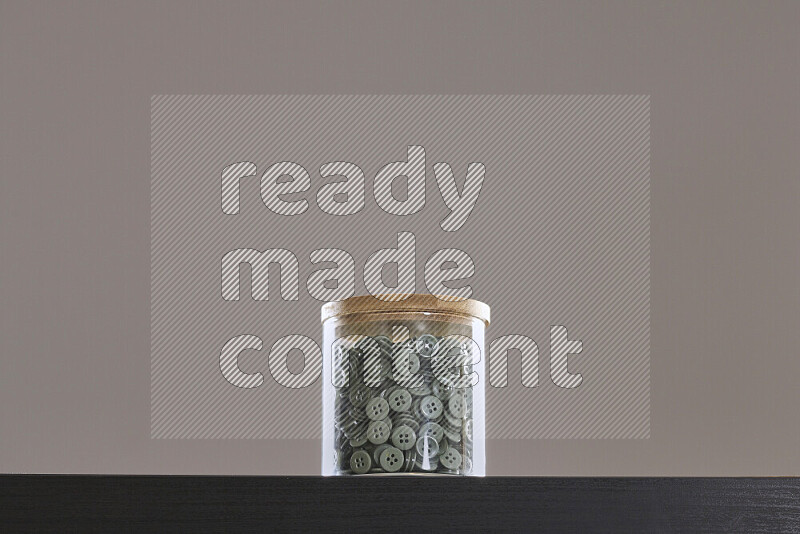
{"x":404,"y":386}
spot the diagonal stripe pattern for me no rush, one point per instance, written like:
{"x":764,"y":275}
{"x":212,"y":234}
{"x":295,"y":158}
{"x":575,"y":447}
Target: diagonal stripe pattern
{"x":559,"y":236}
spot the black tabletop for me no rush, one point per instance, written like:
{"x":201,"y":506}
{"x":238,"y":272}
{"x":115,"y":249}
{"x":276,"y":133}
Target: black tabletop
{"x":398,"y":504}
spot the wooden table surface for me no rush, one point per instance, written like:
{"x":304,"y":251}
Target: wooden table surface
{"x":398,"y":504}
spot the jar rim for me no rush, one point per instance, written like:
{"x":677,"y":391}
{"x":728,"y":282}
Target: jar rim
{"x":408,"y":303}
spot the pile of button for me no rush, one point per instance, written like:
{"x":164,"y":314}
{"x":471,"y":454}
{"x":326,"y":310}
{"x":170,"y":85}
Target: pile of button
{"x":392,"y":428}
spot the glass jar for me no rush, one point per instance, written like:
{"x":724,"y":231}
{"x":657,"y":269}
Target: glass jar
{"x":403,"y":386}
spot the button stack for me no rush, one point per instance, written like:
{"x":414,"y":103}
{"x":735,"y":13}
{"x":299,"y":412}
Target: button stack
{"x":404,"y":406}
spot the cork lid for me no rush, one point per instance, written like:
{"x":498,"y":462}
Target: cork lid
{"x":414,"y":303}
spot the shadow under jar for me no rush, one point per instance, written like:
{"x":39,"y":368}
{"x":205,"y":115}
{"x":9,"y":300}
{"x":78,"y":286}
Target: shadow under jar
{"x":404,"y":386}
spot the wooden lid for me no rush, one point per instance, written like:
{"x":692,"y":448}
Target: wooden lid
{"x":414,"y":303}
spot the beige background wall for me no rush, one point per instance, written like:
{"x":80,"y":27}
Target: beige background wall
{"x":75,"y":86}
